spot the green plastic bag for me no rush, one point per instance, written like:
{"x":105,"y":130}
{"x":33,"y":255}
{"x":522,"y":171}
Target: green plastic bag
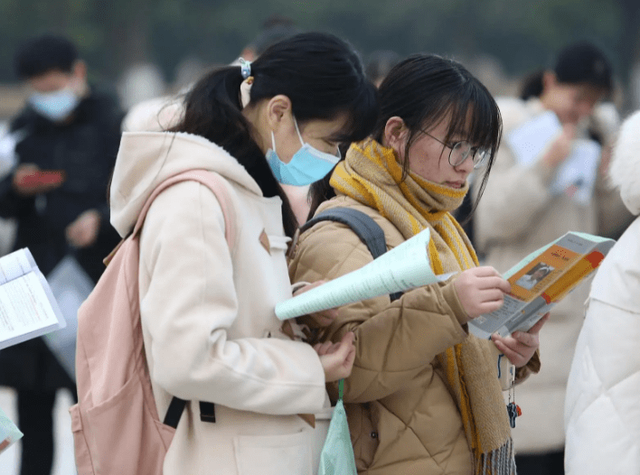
{"x":337,"y":456}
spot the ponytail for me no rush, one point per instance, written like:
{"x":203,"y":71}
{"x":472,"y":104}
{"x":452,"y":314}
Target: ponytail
{"x":321,"y":75}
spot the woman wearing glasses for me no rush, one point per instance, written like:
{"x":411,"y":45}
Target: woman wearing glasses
{"x":423,"y":397}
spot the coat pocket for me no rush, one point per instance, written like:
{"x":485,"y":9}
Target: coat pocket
{"x":288,"y":454}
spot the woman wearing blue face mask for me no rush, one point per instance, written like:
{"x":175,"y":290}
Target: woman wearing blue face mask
{"x":207,"y":310}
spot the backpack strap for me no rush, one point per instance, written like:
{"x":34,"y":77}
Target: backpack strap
{"x":369,"y":232}
{"x":216,"y":184}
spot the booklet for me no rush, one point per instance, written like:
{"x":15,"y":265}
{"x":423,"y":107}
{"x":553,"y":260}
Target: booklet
{"x":70,"y":286}
{"x":9,"y":433}
{"x":541,"y":280}
{"x":576,"y":176}
{"x":27,"y":306}
{"x":402,"y":268}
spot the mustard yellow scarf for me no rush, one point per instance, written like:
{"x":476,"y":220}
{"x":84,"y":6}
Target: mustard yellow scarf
{"x":372,"y":175}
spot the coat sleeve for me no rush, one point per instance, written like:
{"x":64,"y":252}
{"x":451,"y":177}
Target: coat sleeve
{"x":395,"y":341}
{"x":602,"y":422}
{"x":190,"y":305}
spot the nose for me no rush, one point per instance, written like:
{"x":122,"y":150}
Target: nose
{"x":466,"y":167}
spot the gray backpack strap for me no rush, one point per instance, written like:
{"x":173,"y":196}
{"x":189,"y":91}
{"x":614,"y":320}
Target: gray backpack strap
{"x":369,"y":232}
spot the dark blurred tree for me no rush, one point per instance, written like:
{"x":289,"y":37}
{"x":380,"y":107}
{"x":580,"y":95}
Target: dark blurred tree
{"x":523,"y":35}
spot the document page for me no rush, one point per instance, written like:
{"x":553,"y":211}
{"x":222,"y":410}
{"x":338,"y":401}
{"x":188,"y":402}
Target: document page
{"x":27,"y":306}
{"x":576,"y":176}
{"x":402,"y":268}
{"x":541,"y":280}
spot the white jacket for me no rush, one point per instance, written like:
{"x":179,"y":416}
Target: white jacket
{"x":208,"y":318}
{"x":602,"y":412}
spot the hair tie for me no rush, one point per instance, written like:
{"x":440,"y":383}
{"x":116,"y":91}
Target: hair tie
{"x":245,"y":68}
{"x":245,"y":91}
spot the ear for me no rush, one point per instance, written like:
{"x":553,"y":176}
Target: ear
{"x":79,"y":70}
{"x":248,"y":53}
{"x":549,"y":80}
{"x":278,"y":110}
{"x":395,"y":135}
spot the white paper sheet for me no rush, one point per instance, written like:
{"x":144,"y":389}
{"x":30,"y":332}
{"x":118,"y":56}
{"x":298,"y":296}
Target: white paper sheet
{"x":576,"y":176}
{"x":27,"y":306}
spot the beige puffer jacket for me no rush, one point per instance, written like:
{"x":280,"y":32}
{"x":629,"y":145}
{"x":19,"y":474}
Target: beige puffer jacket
{"x":402,"y":417}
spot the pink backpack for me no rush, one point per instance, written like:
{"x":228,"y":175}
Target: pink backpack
{"x":116,"y":428}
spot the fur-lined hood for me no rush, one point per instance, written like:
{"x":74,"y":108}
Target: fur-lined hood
{"x":624,"y":172}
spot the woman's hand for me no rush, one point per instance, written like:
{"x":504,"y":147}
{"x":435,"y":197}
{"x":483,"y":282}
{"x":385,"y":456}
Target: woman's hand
{"x":324,"y":318}
{"x":481,"y":290}
{"x":560,"y":147}
{"x":337,"y":358}
{"x":83,"y":232}
{"x":520,"y":346}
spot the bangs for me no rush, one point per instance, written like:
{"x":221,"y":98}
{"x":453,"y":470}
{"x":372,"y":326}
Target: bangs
{"x":475,"y":118}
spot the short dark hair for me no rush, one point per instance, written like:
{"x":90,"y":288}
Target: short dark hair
{"x":43,"y":54}
{"x":578,"y":63}
{"x":584,"y":62}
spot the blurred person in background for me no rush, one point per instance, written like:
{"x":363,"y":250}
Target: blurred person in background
{"x":379,"y":64}
{"x":68,"y":136}
{"x":601,"y":417}
{"x":523,"y":210}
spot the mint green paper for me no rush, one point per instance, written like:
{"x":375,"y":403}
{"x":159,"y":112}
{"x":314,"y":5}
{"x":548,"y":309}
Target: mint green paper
{"x":402,"y":268}
{"x":337,"y":456}
{"x":9,"y":433}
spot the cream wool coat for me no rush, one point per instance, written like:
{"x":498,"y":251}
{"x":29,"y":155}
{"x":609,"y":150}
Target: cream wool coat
{"x":517,"y":215}
{"x":601,"y":414}
{"x":208,"y":319}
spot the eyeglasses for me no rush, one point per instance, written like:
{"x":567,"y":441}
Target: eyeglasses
{"x":460,"y":151}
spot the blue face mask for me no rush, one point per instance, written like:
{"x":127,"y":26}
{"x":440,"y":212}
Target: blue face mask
{"x":305,"y":167}
{"x":55,"y":106}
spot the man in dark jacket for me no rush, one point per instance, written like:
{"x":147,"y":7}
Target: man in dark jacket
{"x":67,"y":138}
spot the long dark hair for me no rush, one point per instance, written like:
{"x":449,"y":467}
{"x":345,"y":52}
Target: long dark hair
{"x":322,"y":76}
{"x":423,"y":90}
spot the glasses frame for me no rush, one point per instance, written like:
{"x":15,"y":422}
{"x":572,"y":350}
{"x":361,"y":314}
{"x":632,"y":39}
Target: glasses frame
{"x":478,"y":156}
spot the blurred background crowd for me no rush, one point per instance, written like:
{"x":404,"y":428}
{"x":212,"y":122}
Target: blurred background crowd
{"x":142,"y":50}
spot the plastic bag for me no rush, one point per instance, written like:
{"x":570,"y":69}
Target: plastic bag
{"x":71,"y":286}
{"x":337,"y":456}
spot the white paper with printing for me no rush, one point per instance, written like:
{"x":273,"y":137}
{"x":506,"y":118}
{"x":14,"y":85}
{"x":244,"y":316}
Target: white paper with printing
{"x":27,"y":306}
{"x":402,"y":268}
{"x":576,"y":176}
